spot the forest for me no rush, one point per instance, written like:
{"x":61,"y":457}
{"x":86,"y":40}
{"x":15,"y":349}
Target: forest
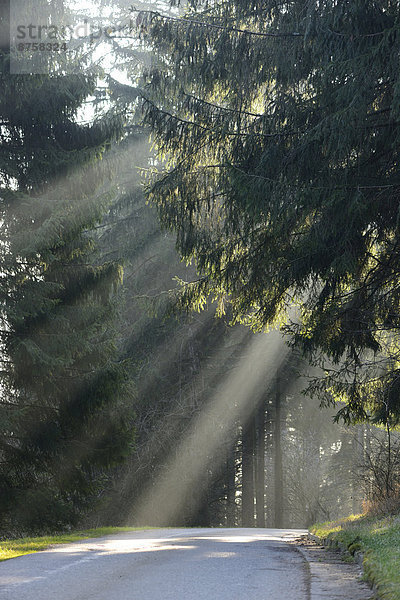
{"x":200,"y":257}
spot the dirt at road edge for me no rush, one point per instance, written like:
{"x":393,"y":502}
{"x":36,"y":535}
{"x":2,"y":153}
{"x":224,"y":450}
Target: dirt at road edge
{"x":331,"y":578}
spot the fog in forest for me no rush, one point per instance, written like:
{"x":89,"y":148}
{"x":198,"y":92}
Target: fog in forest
{"x":225,"y":434}
{"x":157,"y":416}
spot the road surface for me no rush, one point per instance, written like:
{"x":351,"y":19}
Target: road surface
{"x":164,"y":564}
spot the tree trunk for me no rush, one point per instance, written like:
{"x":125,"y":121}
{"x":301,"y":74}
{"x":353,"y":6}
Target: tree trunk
{"x":231,"y":488}
{"x":248,"y":447}
{"x":269,"y":467}
{"x":260,"y":465}
{"x":278,"y":471}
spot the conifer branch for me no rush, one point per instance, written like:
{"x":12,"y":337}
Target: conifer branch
{"x":149,"y":102}
{"x":158,"y":15}
{"x":224,"y":108}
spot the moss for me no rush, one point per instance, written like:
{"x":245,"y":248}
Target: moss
{"x":355,"y":547}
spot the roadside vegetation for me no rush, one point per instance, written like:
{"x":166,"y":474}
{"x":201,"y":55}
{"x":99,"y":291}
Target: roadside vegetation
{"x":28,"y":545}
{"x":378,"y":539}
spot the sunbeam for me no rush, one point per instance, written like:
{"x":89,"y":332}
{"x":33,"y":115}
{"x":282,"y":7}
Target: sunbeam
{"x":233,"y":400}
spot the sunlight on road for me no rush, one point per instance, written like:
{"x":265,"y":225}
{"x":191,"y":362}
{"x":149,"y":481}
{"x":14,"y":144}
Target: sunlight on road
{"x":182,"y":539}
{"x":126,"y":547}
{"x":163,"y":564}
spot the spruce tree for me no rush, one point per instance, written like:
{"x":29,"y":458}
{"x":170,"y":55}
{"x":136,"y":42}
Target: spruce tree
{"x":279,"y":124}
{"x":65,"y":398}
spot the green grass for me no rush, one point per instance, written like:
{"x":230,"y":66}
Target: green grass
{"x":19,"y":547}
{"x":378,"y":539}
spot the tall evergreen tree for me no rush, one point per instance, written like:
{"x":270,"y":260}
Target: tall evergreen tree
{"x":280,"y":124}
{"x":64,"y":412}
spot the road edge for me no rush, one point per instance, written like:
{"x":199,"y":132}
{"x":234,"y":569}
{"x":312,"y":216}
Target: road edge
{"x":331,"y":577}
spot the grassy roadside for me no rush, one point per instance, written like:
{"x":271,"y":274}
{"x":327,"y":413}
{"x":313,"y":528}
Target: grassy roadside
{"x":379,"y":541}
{"x":19,"y":547}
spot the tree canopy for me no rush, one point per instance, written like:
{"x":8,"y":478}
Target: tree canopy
{"x":279,"y":125}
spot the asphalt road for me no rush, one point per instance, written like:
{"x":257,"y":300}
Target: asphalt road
{"x":164,"y":564}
